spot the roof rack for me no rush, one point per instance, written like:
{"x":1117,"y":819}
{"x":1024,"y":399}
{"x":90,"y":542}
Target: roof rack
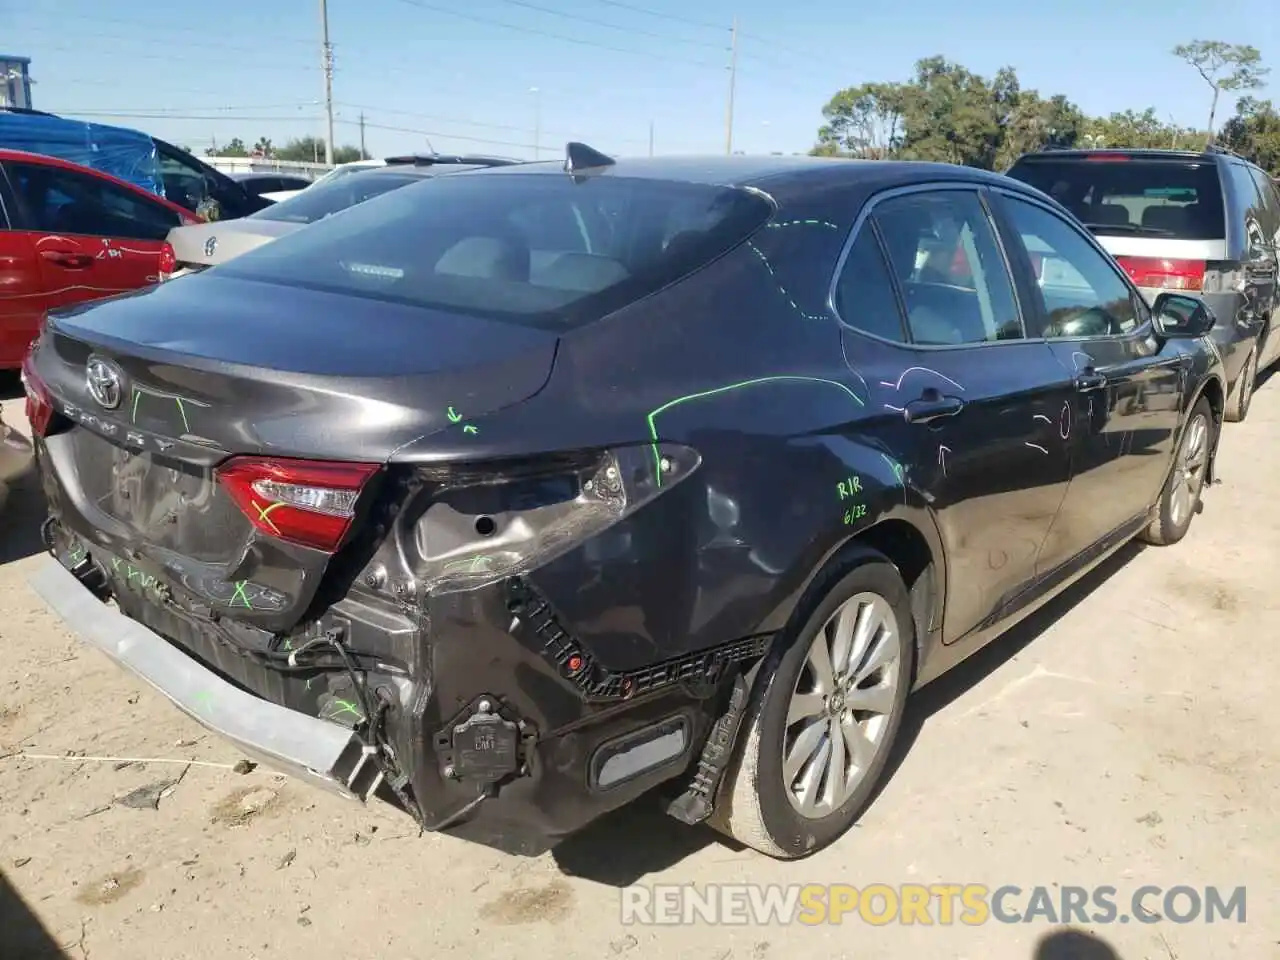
{"x":430,"y":159}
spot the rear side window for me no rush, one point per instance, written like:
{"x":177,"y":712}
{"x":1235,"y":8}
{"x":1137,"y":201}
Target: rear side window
{"x":1270,"y":206}
{"x":1247,"y":210}
{"x":546,"y":250}
{"x":324,"y":199}
{"x":1119,"y":195}
{"x":58,"y":200}
{"x":864,"y":293}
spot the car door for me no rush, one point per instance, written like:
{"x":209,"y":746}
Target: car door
{"x":22,"y":300}
{"x":977,"y":403}
{"x":1125,"y":409}
{"x":93,"y":237}
{"x":1268,"y":263}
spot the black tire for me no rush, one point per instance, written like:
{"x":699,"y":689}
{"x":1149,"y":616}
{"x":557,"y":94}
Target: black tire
{"x":1237,"y":407}
{"x":753,"y":806}
{"x":1171,"y":524}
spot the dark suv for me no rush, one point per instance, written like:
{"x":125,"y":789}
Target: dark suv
{"x":1201,"y":222}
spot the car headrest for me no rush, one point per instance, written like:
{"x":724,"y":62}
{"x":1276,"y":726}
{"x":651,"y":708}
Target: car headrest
{"x":493,"y":258}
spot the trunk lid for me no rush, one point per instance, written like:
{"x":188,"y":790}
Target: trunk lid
{"x":208,"y":244}
{"x":212,"y":367}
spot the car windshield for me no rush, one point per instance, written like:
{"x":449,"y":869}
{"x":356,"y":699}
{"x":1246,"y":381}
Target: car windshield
{"x":1119,"y":195}
{"x":547,"y":250}
{"x":322,"y":199}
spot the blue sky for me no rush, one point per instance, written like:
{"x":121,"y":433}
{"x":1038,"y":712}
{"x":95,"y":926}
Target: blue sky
{"x":604,"y":70}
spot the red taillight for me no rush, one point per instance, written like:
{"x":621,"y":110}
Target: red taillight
{"x":168,"y":261}
{"x":307,"y":502}
{"x":39,"y":400}
{"x":1164,"y":274}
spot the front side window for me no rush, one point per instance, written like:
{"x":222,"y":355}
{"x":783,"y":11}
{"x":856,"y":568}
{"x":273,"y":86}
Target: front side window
{"x":1082,"y":292}
{"x":65,"y":201}
{"x":541,"y":249}
{"x":947,"y":261}
{"x":184,"y":183}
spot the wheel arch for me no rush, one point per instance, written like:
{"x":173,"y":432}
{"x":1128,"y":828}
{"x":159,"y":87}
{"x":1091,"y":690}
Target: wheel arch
{"x":908,"y":538}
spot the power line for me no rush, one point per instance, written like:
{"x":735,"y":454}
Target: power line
{"x":612,"y":26}
{"x":183,"y":60}
{"x":662,"y":16}
{"x":135,"y":38}
{"x":201,"y":31}
{"x":474,"y":123}
{"x":103,"y":111}
{"x":555,"y":36}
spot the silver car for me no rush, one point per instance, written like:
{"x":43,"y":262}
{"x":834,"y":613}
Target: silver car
{"x":1205,"y":223}
{"x":206,"y":245}
{"x":15,"y":458}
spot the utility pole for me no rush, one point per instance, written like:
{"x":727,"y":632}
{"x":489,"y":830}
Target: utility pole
{"x":733,"y":76}
{"x":326,"y":58}
{"x":363,"y":154}
{"x":537,"y":122}
{"x":651,"y":138}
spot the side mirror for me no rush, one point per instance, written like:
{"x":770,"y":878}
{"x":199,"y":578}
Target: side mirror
{"x":1176,"y":315}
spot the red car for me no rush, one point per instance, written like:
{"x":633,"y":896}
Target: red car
{"x":69,"y":234}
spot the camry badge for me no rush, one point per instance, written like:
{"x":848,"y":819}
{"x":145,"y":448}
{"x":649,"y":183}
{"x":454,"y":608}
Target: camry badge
{"x":105,"y":382}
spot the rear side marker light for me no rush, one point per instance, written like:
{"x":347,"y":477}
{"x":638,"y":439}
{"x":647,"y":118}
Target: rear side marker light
{"x":1164,"y":274}
{"x":307,"y":502}
{"x":39,"y":406}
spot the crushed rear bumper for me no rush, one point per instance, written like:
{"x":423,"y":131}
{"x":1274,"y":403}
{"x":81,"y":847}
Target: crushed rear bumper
{"x":318,"y":751}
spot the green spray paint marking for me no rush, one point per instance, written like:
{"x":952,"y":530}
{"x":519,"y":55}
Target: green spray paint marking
{"x":454,"y":417}
{"x":136,"y":397}
{"x":802,"y":223}
{"x":240,"y":595}
{"x":474,"y":564}
{"x":204,"y":698}
{"x":855,"y":513}
{"x":346,"y":706}
{"x":781,"y":289}
{"x":652,"y":418}
{"x":264,"y":515}
{"x":895,"y":466}
{"x":183,"y":411}
{"x":469,"y":429}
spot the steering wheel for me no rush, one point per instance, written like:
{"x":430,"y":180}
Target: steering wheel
{"x":1088,"y":322}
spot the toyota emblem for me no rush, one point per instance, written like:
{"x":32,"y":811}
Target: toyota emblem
{"x":210,"y":245}
{"x":105,"y":382}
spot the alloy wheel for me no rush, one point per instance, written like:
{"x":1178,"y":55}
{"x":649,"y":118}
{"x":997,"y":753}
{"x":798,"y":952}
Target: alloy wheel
{"x":1190,"y":469}
{"x":842,"y":705}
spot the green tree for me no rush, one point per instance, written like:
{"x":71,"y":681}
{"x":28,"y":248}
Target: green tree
{"x":1224,"y":67}
{"x":233,"y":148}
{"x":865,"y":121}
{"x":311,"y":149}
{"x":264,"y":147}
{"x":1254,"y":132}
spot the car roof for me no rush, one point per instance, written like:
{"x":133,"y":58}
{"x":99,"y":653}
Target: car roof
{"x":23,"y":156}
{"x":766,"y":171}
{"x":1153,"y":153}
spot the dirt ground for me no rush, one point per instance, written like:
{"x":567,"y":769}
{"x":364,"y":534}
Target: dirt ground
{"x":1128,"y":736}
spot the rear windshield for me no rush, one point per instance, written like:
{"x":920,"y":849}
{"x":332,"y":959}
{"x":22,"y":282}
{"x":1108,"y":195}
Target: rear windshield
{"x":1129,"y":196}
{"x":542,"y":249}
{"x":321,"y":199}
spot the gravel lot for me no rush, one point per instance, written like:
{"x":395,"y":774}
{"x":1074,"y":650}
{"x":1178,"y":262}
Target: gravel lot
{"x":1128,"y":736}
